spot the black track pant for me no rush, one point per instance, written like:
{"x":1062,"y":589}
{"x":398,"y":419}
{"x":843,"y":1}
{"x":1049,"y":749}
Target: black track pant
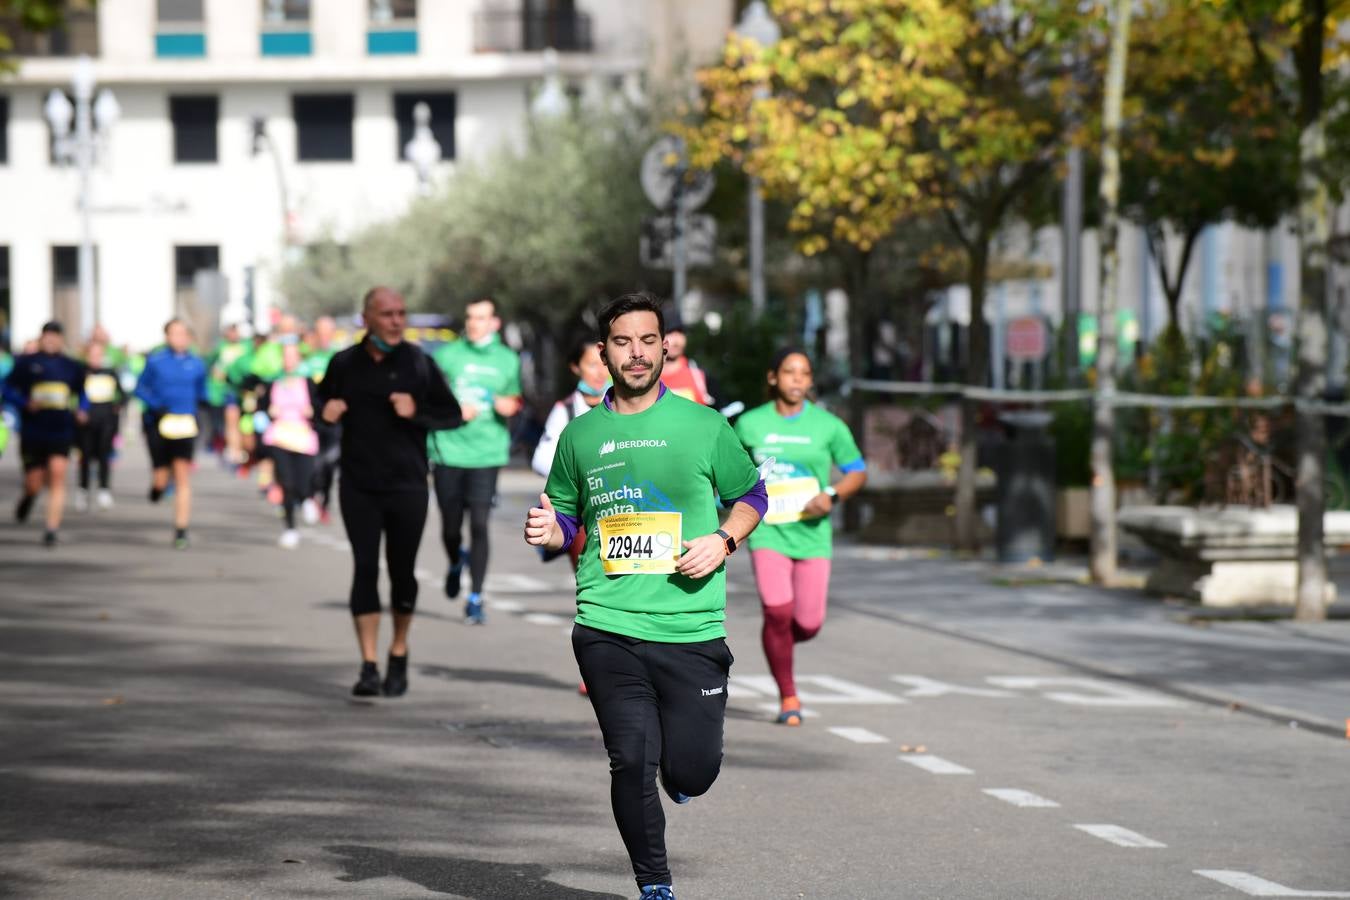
{"x":473,"y":489}
{"x":326,"y":463}
{"x":294,"y":472}
{"x":397,"y":515}
{"x":96,"y":446}
{"x":660,"y":707}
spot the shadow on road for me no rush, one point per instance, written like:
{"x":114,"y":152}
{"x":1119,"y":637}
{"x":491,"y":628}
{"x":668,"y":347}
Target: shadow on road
{"x":474,"y":878}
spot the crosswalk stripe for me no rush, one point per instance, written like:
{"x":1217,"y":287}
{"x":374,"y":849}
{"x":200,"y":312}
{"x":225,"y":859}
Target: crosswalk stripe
{"x":1121,"y":837}
{"x":859,"y":735}
{"x":1025,"y":799}
{"x":934,"y":764}
{"x":1253,"y":886}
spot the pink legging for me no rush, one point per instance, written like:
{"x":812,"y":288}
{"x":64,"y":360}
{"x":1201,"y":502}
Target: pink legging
{"x":793,"y":593}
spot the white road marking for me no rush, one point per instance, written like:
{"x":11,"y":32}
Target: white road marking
{"x":1121,"y":837}
{"x":935,"y":764}
{"x":828,"y":689}
{"x":1098,"y":692}
{"x":859,"y":735}
{"x":1253,"y":886}
{"x":511,"y":606}
{"x":776,"y":709}
{"x":1024,"y":799}
{"x":931,"y":687}
{"x":544,"y":619}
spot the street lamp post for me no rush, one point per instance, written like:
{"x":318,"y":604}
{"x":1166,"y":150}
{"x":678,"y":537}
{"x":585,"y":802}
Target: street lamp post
{"x":757,"y":25}
{"x":93,"y":120}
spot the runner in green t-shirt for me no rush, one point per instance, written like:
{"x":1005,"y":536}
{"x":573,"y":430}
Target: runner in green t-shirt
{"x":641,"y":474}
{"x":323,"y":345}
{"x":791,"y":553}
{"x":484,"y":375}
{"x":220,"y":395}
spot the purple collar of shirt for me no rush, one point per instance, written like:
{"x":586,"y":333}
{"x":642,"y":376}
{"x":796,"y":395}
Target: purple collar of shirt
{"x":609,"y":397}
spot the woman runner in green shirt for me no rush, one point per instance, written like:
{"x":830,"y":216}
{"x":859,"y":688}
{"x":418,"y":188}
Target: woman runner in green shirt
{"x":791,"y":550}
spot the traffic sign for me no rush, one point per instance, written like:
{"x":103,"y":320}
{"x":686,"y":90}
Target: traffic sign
{"x":665,"y":165}
{"x":1027,"y":338}
{"x":657,"y":243}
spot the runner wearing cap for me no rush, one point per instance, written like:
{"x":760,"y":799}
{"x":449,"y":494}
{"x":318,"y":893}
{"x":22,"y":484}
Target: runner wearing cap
{"x":641,"y":475}
{"x":47,"y":387}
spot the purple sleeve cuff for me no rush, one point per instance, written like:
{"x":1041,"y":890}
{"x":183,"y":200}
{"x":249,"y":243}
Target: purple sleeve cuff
{"x":570,"y":525}
{"x":757,"y":498}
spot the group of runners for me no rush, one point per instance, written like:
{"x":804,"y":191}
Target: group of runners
{"x":637,"y":459}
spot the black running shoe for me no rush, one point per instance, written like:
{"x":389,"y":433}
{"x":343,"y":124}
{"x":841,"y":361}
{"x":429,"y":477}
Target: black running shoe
{"x":155,"y":494}
{"x":368,"y":684}
{"x":24,"y":508}
{"x":49,"y":538}
{"x":452,"y":576}
{"x":396,"y":676}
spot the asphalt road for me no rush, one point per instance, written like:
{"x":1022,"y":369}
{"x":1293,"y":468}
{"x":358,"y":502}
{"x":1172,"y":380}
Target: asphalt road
{"x":178,"y":725}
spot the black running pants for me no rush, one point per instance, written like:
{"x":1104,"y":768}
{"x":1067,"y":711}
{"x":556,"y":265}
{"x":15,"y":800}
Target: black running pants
{"x":475,"y":490}
{"x":398,"y":516}
{"x":294,"y":472}
{"x":96,"y":446}
{"x":661,"y":708}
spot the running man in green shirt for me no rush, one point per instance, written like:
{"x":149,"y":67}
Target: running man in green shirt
{"x":641,"y":474}
{"x":484,"y":374}
{"x":791,"y":553}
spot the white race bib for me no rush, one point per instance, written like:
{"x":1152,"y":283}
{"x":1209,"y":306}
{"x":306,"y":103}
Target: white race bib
{"x":51,"y":395}
{"x":788,"y":499}
{"x":100,"y":388}
{"x":645,"y":543}
{"x":178,"y":427}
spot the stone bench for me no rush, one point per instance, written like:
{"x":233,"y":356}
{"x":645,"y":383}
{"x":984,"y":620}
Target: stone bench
{"x":1234,"y":556}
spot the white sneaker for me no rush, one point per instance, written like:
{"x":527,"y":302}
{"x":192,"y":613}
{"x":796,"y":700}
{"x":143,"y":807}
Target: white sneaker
{"x":81,"y":500}
{"x":290,"y":539}
{"x":105,"y":500}
{"x":309,"y":512}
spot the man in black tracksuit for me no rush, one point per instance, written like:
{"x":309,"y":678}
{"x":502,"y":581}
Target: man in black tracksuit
{"x":387,"y":395}
{"x":96,"y":435}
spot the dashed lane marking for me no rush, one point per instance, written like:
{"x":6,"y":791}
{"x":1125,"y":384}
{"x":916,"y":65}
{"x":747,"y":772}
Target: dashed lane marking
{"x":818,"y":690}
{"x":1087,"y":691}
{"x":1121,"y":837}
{"x":1253,"y":886}
{"x":859,"y":735}
{"x":934,"y":764}
{"x":921,"y":686}
{"x":1020,"y":798}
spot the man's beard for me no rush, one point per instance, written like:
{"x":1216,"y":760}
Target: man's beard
{"x":622,"y":384}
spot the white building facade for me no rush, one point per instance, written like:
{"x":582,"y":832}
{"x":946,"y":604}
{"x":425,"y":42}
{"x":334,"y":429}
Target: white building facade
{"x":183,"y":186}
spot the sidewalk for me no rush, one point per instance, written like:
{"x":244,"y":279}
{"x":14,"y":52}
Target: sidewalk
{"x":1291,"y":672}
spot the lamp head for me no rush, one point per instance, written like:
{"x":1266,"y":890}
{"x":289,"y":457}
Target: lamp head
{"x":60,"y":113}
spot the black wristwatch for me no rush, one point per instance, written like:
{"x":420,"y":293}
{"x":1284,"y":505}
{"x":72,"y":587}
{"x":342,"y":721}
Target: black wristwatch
{"x":728,"y":540}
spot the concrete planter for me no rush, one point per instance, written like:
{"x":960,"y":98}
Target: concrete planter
{"x":1073,"y":513}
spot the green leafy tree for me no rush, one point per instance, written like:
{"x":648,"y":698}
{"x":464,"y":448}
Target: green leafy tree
{"x":869,"y":114}
{"x":29,"y":15}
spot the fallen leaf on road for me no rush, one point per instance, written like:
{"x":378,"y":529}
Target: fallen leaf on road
{"x":114,"y":701}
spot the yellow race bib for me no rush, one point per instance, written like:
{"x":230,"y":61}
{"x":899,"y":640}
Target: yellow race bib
{"x":51,"y":395}
{"x":645,"y":543}
{"x":100,"y":388}
{"x":178,"y":427}
{"x":788,"y":499}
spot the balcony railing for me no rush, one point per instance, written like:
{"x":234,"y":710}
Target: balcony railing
{"x":518,"y":31}
{"x":77,"y":35}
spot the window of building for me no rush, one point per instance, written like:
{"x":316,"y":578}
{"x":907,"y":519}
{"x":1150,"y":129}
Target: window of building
{"x":6,"y":312}
{"x":189,"y":260}
{"x":442,"y":120}
{"x":276,"y":12}
{"x":194,"y":128}
{"x":77,"y":34}
{"x":383,"y":12}
{"x":66,"y":287}
{"x":4,"y":129}
{"x":323,"y":127}
{"x":181,"y":29}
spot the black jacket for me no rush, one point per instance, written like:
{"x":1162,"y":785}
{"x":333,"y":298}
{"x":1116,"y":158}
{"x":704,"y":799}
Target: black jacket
{"x":380,"y":450}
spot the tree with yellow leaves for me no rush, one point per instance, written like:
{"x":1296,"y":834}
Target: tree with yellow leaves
{"x":869,"y":114}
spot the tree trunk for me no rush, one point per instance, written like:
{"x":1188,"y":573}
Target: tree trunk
{"x":1314,"y":215}
{"x":1314,"y":228}
{"x":857,"y":268}
{"x":977,"y":374}
{"x":1103,"y":531}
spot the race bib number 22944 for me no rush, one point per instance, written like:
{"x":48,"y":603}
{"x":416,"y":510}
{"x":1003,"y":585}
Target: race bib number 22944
{"x":640,"y":543}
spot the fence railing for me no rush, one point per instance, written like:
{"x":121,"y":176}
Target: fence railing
{"x":77,"y":35}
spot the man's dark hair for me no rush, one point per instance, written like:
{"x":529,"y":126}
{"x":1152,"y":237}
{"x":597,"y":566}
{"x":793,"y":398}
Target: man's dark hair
{"x":53,"y":327}
{"x":172,"y":322}
{"x":638,"y":301}
{"x":579,"y":348}
{"x":477,"y":300}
